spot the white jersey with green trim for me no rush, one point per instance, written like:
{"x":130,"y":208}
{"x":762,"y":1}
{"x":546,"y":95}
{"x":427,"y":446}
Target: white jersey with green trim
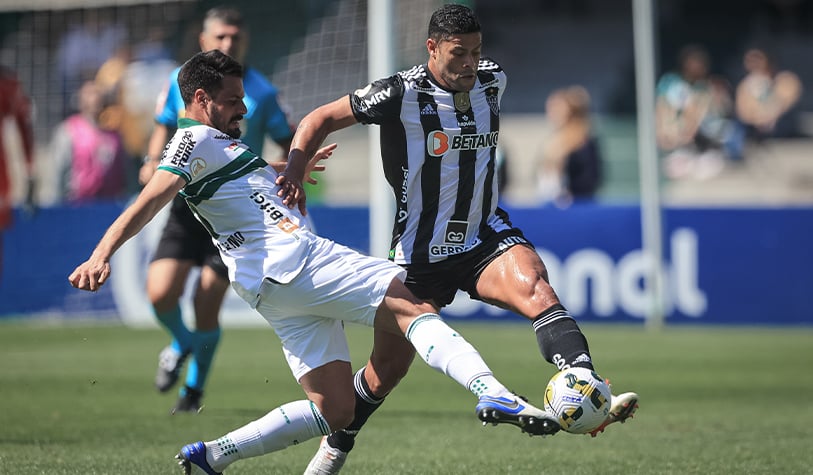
{"x":233,"y":193}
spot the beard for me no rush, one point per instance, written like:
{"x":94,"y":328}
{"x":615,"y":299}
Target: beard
{"x":217,"y":120}
{"x":234,"y":133}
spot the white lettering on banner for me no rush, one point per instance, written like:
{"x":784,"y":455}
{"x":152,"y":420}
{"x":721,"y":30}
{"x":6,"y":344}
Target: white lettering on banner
{"x":689,"y":299}
{"x":588,"y":281}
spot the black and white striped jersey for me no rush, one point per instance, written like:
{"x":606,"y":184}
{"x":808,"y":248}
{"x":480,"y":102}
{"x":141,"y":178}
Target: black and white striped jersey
{"x":438,"y":149}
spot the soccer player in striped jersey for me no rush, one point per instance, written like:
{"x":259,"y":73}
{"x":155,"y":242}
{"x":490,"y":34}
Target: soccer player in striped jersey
{"x":440,"y":126}
{"x":304,"y":285}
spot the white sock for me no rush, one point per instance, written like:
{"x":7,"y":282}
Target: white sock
{"x":286,"y":425}
{"x":448,"y":352}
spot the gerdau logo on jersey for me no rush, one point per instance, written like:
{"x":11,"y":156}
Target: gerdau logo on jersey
{"x":438,"y":142}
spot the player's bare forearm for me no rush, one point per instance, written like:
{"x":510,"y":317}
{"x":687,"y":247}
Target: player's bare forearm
{"x":311,"y":132}
{"x":93,"y":273}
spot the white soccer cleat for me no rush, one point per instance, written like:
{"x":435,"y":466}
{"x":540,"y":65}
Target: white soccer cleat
{"x":327,"y":460}
{"x":623,"y":407}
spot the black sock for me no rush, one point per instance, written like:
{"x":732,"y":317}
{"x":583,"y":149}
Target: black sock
{"x":366,"y":404}
{"x":560,"y":339}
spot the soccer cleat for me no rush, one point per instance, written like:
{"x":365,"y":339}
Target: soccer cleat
{"x":192,"y":459}
{"x":623,"y":407}
{"x":327,"y":460}
{"x":170,"y":363}
{"x":189,"y":401}
{"x":517,"y":411}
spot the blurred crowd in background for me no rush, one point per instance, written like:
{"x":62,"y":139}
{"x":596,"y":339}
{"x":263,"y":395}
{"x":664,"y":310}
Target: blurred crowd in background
{"x":731,"y":78}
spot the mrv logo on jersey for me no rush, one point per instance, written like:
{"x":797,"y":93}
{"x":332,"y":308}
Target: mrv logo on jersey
{"x":368,"y":100}
{"x":439,"y":142}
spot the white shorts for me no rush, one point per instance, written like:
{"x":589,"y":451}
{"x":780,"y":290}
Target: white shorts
{"x":337,"y":284}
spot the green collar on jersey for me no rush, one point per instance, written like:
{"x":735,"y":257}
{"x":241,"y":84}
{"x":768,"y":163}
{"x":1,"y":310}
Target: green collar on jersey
{"x":185,"y":122}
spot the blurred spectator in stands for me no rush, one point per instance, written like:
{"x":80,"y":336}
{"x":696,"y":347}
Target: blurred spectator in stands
{"x":89,"y":158}
{"x":15,"y":106}
{"x":127,"y":81}
{"x":765,"y":95}
{"x":153,"y":47}
{"x":693,"y":120}
{"x":92,"y":37}
{"x":571,"y":163}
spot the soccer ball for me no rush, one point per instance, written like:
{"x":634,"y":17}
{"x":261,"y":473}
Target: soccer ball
{"x":580,"y":398}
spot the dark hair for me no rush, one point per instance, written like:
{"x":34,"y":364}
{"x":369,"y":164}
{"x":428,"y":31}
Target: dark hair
{"x":206,"y":71}
{"x":452,"y":19}
{"x":228,"y":15}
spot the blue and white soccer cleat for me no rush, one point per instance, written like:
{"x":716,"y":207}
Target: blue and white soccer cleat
{"x":192,"y":459}
{"x":517,"y":411}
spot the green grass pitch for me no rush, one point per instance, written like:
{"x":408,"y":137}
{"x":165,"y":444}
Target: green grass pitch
{"x":79,"y":400}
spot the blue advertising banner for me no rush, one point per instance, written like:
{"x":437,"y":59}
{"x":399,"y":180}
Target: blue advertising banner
{"x":721,"y":265}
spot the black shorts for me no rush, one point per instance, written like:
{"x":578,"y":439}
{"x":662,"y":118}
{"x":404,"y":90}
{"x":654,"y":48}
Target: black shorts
{"x":184,"y":238}
{"x":440,"y":281}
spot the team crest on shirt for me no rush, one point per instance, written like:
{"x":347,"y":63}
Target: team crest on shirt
{"x":197,"y":166}
{"x":491,"y":100}
{"x":462,"y":101}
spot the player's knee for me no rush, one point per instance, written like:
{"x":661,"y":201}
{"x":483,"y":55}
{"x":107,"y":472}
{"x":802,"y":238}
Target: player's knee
{"x":162,"y":300}
{"x":163,"y":295}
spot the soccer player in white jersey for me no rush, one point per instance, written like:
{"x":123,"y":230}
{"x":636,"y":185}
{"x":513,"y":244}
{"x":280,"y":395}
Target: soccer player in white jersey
{"x":184,"y":244}
{"x":439,"y":132}
{"x":305,"y":286}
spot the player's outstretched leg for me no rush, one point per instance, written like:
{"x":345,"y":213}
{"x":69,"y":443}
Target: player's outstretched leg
{"x":446,"y":350}
{"x":289,"y":424}
{"x":623,"y":407}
